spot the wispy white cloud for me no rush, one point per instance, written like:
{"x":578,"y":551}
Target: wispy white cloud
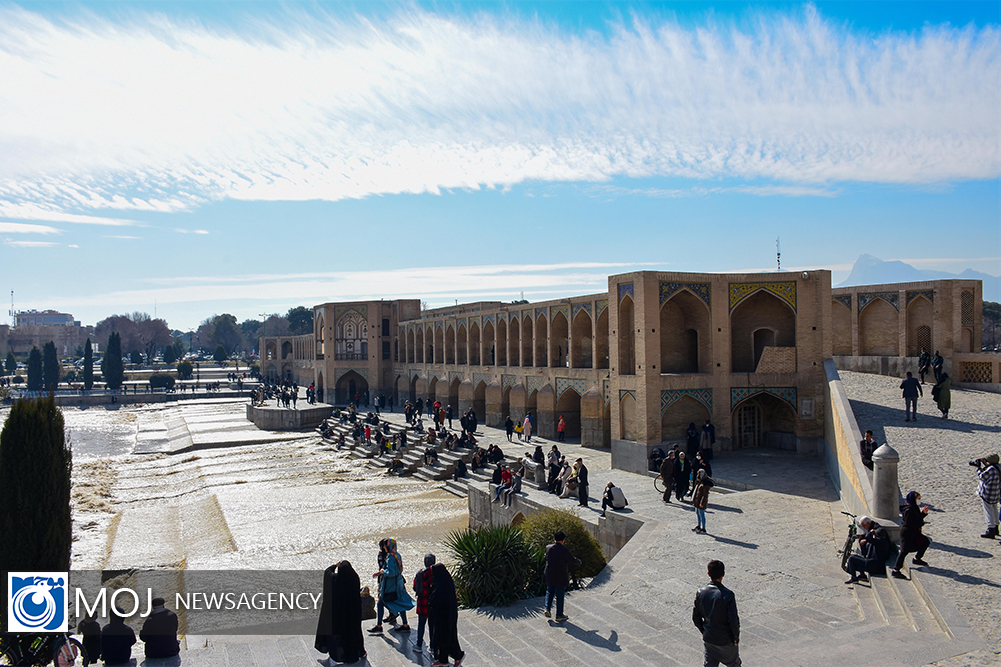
{"x":191,"y":231}
{"x":27,"y":210}
{"x":29,"y":244}
{"x":22,"y":228}
{"x":169,"y":115}
{"x":121,"y":236}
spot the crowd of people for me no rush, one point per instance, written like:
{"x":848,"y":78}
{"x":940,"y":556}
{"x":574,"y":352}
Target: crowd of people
{"x":283,"y":391}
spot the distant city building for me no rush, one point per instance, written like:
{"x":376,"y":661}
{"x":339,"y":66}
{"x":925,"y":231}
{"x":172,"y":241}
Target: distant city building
{"x":43,"y":318}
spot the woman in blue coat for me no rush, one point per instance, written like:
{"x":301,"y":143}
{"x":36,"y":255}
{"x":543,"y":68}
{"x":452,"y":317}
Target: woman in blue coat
{"x":392,"y":590}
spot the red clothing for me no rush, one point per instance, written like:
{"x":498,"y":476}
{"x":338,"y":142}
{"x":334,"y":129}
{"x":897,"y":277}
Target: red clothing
{"x":422,"y":586}
{"x":562,"y":426}
{"x":506,"y":476}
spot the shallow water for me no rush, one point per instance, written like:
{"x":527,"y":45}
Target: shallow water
{"x":288,"y":504}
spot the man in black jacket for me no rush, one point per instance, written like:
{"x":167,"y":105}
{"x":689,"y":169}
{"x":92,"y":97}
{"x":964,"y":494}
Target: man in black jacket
{"x":582,"y":483}
{"x":159,"y":632}
{"x":875,"y":546}
{"x":557,"y":574}
{"x":715,"y":615}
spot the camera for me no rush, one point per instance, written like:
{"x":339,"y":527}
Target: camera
{"x":975,"y":462}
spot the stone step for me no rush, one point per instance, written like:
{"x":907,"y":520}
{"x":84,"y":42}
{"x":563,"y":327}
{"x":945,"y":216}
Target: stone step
{"x":889,"y":602}
{"x":921,"y":617}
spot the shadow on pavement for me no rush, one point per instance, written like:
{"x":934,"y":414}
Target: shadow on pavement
{"x":874,"y":416}
{"x":592,"y":638}
{"x":736,"y":543}
{"x":962,"y":578}
{"x":961,"y":551}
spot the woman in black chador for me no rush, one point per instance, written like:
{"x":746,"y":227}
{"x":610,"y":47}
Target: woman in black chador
{"x":443,"y":616}
{"x":338,"y":632}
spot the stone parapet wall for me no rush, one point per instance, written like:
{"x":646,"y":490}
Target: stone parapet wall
{"x":280,"y":419}
{"x":841,"y":438}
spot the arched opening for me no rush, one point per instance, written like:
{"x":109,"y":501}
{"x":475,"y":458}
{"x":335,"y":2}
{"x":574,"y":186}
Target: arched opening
{"x":352,"y":388}
{"x":559,"y":342}
{"x":581,"y":348}
{"x":762,"y":338}
{"x":318,"y":335}
{"x":505,"y":408}
{"x":684,"y":335}
{"x":601,"y":340}
{"x":449,"y":345}
{"x":480,"y":401}
{"x":400,"y":390}
{"x":286,"y":349}
{"x":761,"y":310}
{"x":518,"y":519}
{"x":967,"y":340}
{"x":439,"y":345}
{"x":453,"y":396}
{"x":460,"y":345}
{"x":412,"y":395}
{"x":474,"y":344}
{"x":501,"y":341}
{"x":527,"y":341}
{"x":626,"y":338}
{"x":287,"y":371}
{"x":351,"y":337}
{"x":879,"y":325}
{"x":919,"y":319}
{"x":319,"y":387}
{"x":628,"y":419}
{"x":514,"y":343}
{"x":420,"y":346}
{"x":411,"y":342}
{"x":541,"y":342}
{"x":532,"y":405}
{"x":764,"y":420}
{"x":568,"y":406}
{"x":271,"y":351}
{"x":489,"y":345}
{"x":841,"y":322}
{"x":432,"y":388}
{"x":675,"y":420}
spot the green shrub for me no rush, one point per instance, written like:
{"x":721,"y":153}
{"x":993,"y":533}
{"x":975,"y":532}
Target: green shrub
{"x":540,"y":527}
{"x":494,"y":565}
{"x":161,"y":381}
{"x":184,"y":370}
{"x":254,"y":369}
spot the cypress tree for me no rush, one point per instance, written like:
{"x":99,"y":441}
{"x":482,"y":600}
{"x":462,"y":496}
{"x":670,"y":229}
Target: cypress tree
{"x":35,"y":370}
{"x":88,"y":366}
{"x":112,"y":366}
{"x":11,"y":363}
{"x":35,"y":467}
{"x":50,"y":366}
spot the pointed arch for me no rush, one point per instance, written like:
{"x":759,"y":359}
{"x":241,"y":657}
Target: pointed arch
{"x":450,"y":345}
{"x":489,"y":345}
{"x":475,"y":344}
{"x":461,"y":345}
{"x":559,"y":341}
{"x":878,"y":324}
{"x":541,"y":341}
{"x":568,"y":407}
{"x":501,"y":341}
{"x":685,"y":334}
{"x":527,"y":341}
{"x":439,"y":345}
{"x":420,"y":345}
{"x":920,"y":316}
{"x":601,"y":340}
{"x":841,"y":324}
{"x":627,"y":338}
{"x":761,"y":320}
{"x":581,"y":346}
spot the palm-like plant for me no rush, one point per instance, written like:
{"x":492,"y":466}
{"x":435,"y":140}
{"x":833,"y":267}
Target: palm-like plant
{"x":495,"y":565}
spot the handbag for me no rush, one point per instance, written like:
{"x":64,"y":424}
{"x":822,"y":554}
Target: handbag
{"x":389,"y":596}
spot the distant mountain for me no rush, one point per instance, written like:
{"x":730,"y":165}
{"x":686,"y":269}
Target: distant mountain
{"x":869,"y":270}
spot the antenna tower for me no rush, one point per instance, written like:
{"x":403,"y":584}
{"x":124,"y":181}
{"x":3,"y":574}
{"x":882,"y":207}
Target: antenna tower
{"x":778,"y":254}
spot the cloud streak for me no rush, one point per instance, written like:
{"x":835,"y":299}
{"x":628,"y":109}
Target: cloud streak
{"x":168,"y":116}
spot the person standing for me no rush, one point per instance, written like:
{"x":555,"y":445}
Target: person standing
{"x":707,"y":440}
{"x":338,"y":630}
{"x":911,"y":390}
{"x":911,"y":540}
{"x":682,"y":476}
{"x":392,"y":591}
{"x":667,"y":475}
{"x":937,"y":363}
{"x":159,"y":632}
{"x":582,"y":483}
{"x":448,"y":416}
{"x":527,"y":426}
{"x":715,"y":615}
{"x":559,"y":559}
{"x":942,"y":393}
{"x":692,"y":437}
{"x":422,"y":587}
{"x":700,"y":500}
{"x":554,"y":468}
{"x":561,"y":430}
{"x":923,"y":361}
{"x":509,"y":428}
{"x":443,"y":615}
{"x":989,"y":490}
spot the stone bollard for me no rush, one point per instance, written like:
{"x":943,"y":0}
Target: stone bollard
{"x":884,"y":486}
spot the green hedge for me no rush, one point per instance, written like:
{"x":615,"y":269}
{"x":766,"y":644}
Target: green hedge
{"x":540,"y":527}
{"x":161,"y":381}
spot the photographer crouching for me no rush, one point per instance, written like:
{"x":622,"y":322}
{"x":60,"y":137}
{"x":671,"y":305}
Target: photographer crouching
{"x":989,"y":491}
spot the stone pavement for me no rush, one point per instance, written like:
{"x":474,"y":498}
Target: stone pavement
{"x":779,"y":539}
{"x":933,"y":460}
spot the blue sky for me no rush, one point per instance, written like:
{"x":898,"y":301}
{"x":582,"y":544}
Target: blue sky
{"x":198,"y":158}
